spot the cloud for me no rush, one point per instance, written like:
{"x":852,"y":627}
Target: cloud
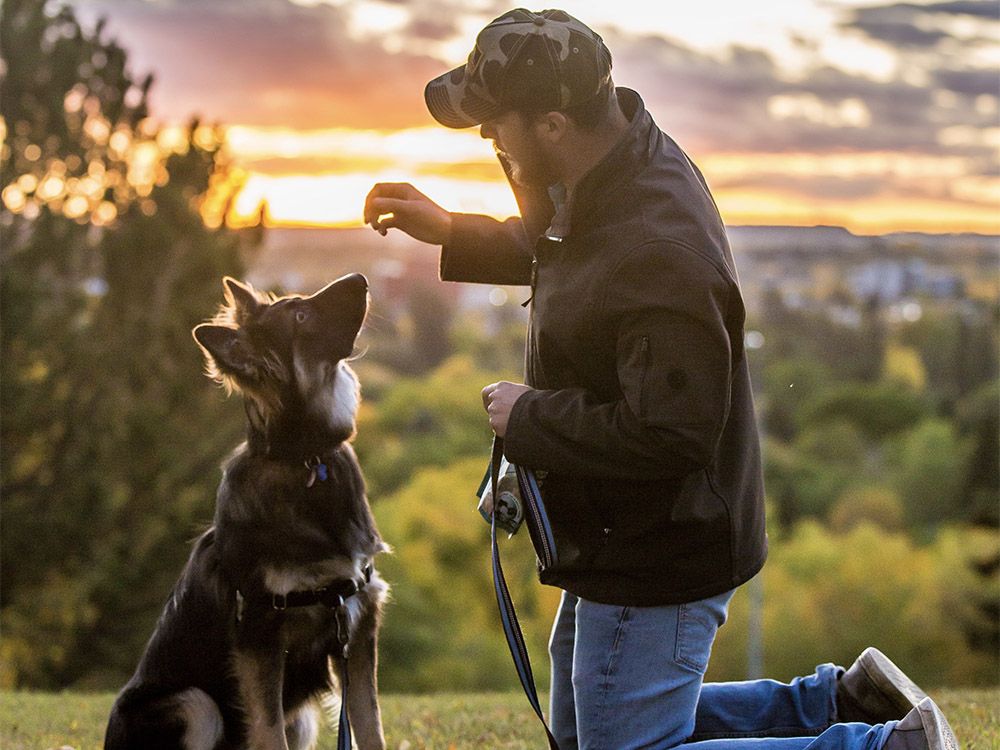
{"x":977,"y":8}
{"x":967,"y":81}
{"x":899,"y":34}
{"x":823,"y":186}
{"x":736,"y":102}
{"x":725,"y":103}
{"x":267,"y":62}
{"x":276,"y":62}
{"x":912,"y":26}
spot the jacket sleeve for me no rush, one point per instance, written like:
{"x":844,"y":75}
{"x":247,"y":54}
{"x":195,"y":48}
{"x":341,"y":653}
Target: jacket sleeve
{"x":674,"y":364}
{"x":484,"y":250}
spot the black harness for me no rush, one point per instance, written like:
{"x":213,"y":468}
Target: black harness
{"x":332,"y":596}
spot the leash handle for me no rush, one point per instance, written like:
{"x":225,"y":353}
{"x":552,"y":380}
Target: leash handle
{"x":511,"y":627}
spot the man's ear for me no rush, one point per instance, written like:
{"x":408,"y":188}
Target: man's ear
{"x":226,"y":350}
{"x":552,"y":126}
{"x":241,"y":298}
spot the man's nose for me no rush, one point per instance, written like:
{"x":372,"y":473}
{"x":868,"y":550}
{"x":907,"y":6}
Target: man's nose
{"x":487,"y":131}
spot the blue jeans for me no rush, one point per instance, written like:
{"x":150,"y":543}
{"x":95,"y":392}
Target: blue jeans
{"x":625,"y":678}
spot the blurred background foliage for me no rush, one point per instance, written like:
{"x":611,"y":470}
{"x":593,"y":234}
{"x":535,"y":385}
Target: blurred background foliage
{"x":881,"y":447}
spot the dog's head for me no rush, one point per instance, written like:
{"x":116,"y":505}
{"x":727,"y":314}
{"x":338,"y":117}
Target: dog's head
{"x":288,"y":352}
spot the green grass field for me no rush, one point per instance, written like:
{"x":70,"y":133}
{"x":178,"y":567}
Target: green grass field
{"x":39,"y":721}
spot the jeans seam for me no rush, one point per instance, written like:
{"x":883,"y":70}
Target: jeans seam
{"x":790,"y":731}
{"x":683,"y":661}
{"x":615,"y":649}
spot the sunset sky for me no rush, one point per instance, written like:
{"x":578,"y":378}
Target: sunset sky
{"x":877,"y":117}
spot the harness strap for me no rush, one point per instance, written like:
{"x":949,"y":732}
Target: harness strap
{"x":511,"y":627}
{"x":333,"y":596}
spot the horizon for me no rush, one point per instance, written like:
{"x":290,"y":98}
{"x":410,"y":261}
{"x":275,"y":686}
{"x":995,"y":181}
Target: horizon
{"x":877,"y":118}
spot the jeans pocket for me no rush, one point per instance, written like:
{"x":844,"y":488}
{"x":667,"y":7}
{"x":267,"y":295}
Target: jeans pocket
{"x":696,"y":629}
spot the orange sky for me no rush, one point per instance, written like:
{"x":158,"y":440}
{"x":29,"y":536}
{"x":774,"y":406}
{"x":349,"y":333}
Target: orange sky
{"x":876,"y":118}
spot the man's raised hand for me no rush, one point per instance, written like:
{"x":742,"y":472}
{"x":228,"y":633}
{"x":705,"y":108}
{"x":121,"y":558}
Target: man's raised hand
{"x":400,"y":205}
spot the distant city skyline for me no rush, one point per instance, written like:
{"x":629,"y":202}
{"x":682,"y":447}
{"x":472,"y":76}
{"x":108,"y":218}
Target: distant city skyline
{"x":876,"y":117}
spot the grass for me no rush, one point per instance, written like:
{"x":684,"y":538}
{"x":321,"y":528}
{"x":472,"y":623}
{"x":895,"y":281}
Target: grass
{"x":501,"y":721}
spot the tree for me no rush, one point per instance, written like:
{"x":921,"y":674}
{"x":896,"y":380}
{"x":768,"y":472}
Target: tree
{"x":110,"y":436}
{"x":928,"y":467}
{"x":430,"y":421}
{"x":442,"y":627}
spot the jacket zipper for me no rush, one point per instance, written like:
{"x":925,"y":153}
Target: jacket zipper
{"x":644,"y":366}
{"x":546,"y":555}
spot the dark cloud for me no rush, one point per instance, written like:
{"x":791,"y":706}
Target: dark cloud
{"x":898,"y":34}
{"x":968,"y":81}
{"x":908,"y":25}
{"x":722,"y":104}
{"x":978,"y":8}
{"x":435,"y":29}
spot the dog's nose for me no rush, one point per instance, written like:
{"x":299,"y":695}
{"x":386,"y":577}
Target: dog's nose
{"x":357,"y":278}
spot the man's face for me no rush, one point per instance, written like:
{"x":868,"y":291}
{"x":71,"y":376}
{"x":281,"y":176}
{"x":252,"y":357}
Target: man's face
{"x":514,"y":138}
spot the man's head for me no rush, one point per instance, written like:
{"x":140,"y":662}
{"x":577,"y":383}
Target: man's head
{"x":532,"y":78}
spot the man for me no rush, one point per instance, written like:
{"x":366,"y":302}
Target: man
{"x":637,"y":407}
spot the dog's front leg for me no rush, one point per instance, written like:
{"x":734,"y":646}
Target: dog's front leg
{"x":260,"y":676}
{"x":362,"y":698}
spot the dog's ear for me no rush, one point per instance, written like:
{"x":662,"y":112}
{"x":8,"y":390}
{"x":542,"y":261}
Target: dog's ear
{"x":227,"y":350}
{"x":241,"y":298}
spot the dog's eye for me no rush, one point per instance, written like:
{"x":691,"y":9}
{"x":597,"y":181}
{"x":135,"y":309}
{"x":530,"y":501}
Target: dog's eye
{"x":300,"y":316}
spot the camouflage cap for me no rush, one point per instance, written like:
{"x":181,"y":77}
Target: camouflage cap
{"x":522,"y":60}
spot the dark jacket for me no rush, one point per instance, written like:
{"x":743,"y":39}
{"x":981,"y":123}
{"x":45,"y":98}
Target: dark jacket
{"x":643,"y":418}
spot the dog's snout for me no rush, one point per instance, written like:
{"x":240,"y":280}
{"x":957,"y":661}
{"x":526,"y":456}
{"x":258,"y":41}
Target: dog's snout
{"x":357,"y":278}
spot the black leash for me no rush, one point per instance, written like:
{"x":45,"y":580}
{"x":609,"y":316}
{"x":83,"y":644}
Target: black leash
{"x":535,"y":517}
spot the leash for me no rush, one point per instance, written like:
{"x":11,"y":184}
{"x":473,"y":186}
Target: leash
{"x":537,"y":523}
{"x":332,"y":596}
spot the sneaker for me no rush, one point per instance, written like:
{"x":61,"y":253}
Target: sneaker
{"x":874,"y":690}
{"x":923,"y":728}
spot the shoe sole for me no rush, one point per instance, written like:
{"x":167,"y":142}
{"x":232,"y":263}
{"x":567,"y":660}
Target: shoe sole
{"x":937,"y":730}
{"x":890,"y":680}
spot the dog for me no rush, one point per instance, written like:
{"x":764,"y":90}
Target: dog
{"x":279,"y":603}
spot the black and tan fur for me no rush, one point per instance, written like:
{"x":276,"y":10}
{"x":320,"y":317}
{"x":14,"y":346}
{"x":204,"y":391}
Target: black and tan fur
{"x":220,"y":674}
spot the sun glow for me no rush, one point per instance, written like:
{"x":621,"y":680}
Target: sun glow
{"x":321,"y":177}
{"x":338,"y":199}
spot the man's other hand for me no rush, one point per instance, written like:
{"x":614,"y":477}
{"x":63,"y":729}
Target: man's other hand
{"x":400,"y":205}
{"x":498,"y":400}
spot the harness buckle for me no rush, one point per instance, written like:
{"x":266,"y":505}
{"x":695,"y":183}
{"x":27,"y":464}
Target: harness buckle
{"x":340,"y":617}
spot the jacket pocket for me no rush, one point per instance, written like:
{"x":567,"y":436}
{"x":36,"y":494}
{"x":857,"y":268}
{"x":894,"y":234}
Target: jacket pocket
{"x":675,"y":371}
{"x":695,"y":634}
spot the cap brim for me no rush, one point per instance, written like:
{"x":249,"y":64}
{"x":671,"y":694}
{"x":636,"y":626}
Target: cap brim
{"x":449,"y":101}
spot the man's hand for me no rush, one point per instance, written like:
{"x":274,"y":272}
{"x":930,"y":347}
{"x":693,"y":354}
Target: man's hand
{"x":399,"y":204}
{"x":498,"y":400}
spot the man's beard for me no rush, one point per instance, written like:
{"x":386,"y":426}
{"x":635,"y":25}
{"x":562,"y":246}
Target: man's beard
{"x":534,"y":169}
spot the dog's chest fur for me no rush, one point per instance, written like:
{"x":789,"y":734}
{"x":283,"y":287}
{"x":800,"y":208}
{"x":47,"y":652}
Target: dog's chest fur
{"x":279,"y":535}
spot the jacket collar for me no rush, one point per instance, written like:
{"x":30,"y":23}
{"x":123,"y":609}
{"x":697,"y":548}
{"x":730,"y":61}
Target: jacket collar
{"x":625,"y":159}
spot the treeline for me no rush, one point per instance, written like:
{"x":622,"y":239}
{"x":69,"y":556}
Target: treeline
{"x":880,"y":439}
{"x":882,"y":496}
